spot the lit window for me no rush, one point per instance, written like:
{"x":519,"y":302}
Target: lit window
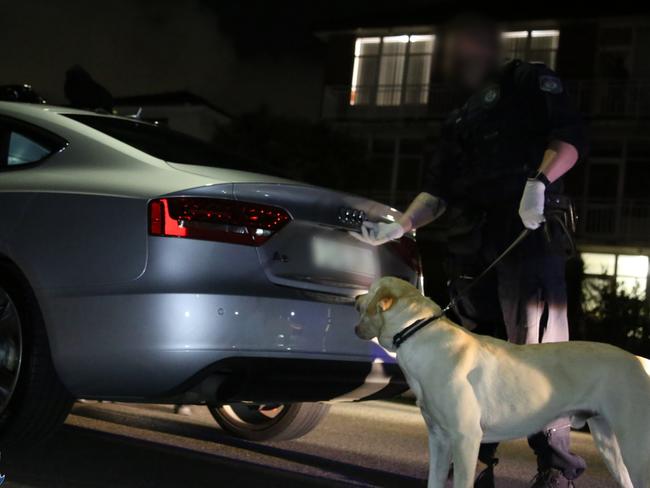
{"x":532,"y":45}
{"x":392,"y":70}
{"x":630,"y":272}
{"x":599,"y":264}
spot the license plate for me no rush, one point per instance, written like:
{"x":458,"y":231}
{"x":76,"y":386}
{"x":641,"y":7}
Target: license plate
{"x":332,"y":255}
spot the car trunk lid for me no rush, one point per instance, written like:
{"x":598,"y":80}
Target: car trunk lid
{"x":316,"y":251}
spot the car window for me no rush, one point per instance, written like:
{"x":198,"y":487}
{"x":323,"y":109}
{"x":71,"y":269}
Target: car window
{"x":23,"y":144}
{"x":23,"y":150}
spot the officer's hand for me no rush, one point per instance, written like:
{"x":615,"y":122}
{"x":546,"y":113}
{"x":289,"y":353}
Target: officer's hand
{"x":531,"y":207}
{"x":378,"y":233}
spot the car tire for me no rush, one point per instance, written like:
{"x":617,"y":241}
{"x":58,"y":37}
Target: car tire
{"x":34,"y":402}
{"x":279,"y":422}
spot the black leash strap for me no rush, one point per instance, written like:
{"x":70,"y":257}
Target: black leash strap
{"x":404,"y":334}
{"x":524,"y":233}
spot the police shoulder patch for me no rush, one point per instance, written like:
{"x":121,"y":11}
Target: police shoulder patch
{"x":491,"y":95}
{"x":550,"y":84}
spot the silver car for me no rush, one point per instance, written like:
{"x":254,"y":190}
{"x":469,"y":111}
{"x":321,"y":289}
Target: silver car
{"x":139,"y":265}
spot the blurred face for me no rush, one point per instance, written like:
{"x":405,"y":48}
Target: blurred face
{"x":471,"y":56}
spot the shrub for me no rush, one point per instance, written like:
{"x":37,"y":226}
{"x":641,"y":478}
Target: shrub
{"x":614,"y":315}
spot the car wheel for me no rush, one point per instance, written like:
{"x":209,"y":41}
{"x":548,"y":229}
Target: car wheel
{"x":269,"y":422}
{"x":33,"y":401}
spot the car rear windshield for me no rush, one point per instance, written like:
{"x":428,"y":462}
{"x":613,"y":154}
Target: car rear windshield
{"x":167,"y":144}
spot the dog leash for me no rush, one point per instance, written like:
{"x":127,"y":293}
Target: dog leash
{"x":404,"y":334}
{"x":524,"y":233}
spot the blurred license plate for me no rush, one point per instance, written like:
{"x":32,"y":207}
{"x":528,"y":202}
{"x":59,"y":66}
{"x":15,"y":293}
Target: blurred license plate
{"x":336,"y":256}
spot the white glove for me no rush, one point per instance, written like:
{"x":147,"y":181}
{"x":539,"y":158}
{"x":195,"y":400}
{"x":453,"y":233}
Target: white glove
{"x":378,"y":233}
{"x":531,"y":207}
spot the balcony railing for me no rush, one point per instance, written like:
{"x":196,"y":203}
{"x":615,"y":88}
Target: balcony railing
{"x":608,"y":99}
{"x":628,"y":99}
{"x":627,"y":222}
{"x":387,"y":101}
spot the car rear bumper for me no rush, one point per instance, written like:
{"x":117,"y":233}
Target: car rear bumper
{"x":161,"y":345}
{"x":288,"y":380}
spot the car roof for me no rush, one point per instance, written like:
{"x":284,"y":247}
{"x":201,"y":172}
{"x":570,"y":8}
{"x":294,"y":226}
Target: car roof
{"x":36,"y":109}
{"x":95,"y":162}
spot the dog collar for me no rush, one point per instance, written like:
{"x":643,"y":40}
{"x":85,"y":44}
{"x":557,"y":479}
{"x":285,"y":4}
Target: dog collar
{"x":402,"y":335}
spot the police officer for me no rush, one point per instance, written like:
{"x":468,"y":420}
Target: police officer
{"x":497,"y":168}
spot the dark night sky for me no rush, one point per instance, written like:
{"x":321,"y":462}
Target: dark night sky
{"x":234,"y":53}
{"x":256,"y":24}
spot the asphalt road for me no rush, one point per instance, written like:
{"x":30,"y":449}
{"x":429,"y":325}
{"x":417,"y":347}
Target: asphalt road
{"x":370,"y":444}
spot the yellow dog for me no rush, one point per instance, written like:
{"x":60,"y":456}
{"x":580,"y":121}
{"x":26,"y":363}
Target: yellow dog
{"x":474,"y":389}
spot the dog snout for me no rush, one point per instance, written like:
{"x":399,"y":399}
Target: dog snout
{"x":362,"y":332}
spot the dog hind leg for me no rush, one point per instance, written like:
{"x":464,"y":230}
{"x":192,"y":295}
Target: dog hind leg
{"x":629,"y":423}
{"x":634,"y":442}
{"x":607,"y":444}
{"x":626,"y":410}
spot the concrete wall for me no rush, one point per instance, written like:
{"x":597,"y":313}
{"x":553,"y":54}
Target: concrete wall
{"x":138,"y":47}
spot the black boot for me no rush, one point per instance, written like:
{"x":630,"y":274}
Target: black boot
{"x":485,"y":478}
{"x":554,"y":457}
{"x":551,"y":478}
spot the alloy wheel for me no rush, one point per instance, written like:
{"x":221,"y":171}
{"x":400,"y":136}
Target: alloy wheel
{"x":11,"y":349}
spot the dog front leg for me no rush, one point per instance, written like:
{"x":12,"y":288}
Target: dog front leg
{"x":462,"y":420}
{"x":465,"y":447}
{"x":439,"y":458}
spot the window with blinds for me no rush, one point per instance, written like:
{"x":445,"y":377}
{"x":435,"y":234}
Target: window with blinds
{"x":538,"y":46}
{"x":392,"y":70}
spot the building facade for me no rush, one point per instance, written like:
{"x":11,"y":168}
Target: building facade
{"x":384,"y":86}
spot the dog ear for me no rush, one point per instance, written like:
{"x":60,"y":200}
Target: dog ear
{"x":381,"y":302}
{"x":385,"y":303}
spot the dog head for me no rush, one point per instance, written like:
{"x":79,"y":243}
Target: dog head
{"x":390,"y":305}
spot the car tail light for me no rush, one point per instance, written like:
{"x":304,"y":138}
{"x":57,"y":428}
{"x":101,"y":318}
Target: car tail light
{"x":213,"y":219}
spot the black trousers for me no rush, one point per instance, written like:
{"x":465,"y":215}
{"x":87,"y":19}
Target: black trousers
{"x":524,"y":301}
